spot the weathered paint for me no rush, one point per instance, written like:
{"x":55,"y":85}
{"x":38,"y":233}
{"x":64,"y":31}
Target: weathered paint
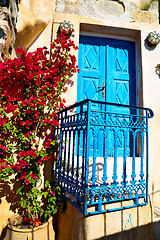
{"x":128,"y":222}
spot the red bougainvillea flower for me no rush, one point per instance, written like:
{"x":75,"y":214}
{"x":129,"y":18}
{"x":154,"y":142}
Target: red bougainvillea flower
{"x":53,"y":193}
{"x":27,"y":181}
{"x":34,"y":176}
{"x":36,"y":222}
{"x":23,"y":175}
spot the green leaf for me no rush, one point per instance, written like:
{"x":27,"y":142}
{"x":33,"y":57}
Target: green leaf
{"x":19,"y":190}
{"x":47,"y":184}
{"x":23,"y":203}
{"x":45,"y":194}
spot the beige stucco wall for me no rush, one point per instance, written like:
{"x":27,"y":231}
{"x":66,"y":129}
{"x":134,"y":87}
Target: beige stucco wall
{"x":34,"y":17}
{"x":132,"y":224}
{"x":136,"y":223}
{"x":148,"y":91}
{"x":37,"y":26}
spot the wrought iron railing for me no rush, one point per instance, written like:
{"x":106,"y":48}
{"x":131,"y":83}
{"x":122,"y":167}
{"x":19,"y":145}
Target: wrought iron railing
{"x":103,"y":156}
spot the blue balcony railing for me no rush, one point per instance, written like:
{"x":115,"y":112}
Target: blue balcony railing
{"x":103,"y":156}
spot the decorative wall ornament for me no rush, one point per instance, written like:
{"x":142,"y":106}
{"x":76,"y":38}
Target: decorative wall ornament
{"x":158,"y":69}
{"x":67,"y":26}
{"x":153,"y":39}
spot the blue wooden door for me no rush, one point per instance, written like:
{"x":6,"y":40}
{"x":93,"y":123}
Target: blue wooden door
{"x":109,"y":63}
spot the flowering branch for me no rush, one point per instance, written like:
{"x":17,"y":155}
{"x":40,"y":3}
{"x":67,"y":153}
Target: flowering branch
{"x":30,"y":89}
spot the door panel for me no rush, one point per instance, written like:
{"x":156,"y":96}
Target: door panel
{"x":121,"y":85}
{"x":92,"y":55}
{"x":91,"y":64}
{"x":120,"y":82}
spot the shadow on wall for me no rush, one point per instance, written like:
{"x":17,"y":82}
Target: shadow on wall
{"x":3,"y":233}
{"x":10,"y":193}
{"x":73,"y":225}
{"x":29,"y":35}
{"x":11,"y":198}
{"x":147,"y":232}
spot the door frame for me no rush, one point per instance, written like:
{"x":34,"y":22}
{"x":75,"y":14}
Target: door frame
{"x":122,"y":33}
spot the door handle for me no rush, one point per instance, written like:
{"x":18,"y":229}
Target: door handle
{"x":103,"y":89}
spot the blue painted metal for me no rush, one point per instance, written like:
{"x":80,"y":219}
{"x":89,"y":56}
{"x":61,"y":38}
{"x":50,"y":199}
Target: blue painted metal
{"x":93,"y":180}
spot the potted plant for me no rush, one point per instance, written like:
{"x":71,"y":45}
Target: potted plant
{"x":30,"y":95}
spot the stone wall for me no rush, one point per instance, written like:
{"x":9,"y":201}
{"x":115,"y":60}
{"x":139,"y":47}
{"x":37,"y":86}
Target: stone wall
{"x":124,"y":10}
{"x":8,"y":19}
{"x":34,"y":16}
